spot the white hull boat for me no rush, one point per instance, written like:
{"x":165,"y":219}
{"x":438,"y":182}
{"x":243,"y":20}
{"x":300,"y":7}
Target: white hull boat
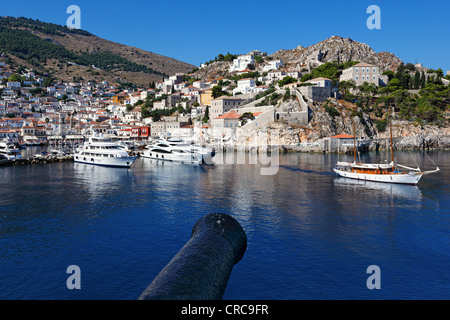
{"x":167,"y":151}
{"x":389,"y":173}
{"x":378,"y":173}
{"x":9,"y":150}
{"x":99,"y":151}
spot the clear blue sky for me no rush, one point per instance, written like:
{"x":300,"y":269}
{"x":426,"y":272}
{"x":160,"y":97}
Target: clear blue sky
{"x":197,"y":31}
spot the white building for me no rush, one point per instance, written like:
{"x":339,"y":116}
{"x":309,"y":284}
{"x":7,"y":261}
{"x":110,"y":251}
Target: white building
{"x":13,"y":84}
{"x":199,"y":84}
{"x":272,"y":65}
{"x":241,"y":62}
{"x":160,"y":104}
{"x":320,"y":82}
{"x":245,"y":86}
{"x":294,"y":74}
{"x":276,"y":75}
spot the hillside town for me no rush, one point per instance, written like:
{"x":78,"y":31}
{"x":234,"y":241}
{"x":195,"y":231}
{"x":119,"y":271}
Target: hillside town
{"x":256,"y":91}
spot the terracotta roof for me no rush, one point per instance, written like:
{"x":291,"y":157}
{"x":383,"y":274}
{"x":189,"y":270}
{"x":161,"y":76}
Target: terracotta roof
{"x":230,"y":115}
{"x":342,"y":136}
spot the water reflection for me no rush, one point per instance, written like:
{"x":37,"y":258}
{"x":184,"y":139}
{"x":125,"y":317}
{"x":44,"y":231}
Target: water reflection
{"x":98,"y":180}
{"x":388,"y":190}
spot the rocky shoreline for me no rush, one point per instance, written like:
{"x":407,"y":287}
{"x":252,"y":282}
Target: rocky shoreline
{"x":294,"y":138}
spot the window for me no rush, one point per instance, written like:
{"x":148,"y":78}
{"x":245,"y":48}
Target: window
{"x":356,"y":69}
{"x":373,"y":70}
{"x":362,"y":70}
{"x":356,"y":77}
{"x":374,"y":77}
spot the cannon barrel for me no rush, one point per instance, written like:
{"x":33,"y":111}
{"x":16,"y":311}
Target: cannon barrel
{"x":201,"y":269}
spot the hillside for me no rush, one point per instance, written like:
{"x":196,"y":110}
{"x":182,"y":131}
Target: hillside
{"x":337,"y":49}
{"x":305,"y":59}
{"x":67,"y":53}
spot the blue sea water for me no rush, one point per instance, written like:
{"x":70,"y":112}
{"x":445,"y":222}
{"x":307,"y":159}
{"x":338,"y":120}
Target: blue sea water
{"x":311,"y":234}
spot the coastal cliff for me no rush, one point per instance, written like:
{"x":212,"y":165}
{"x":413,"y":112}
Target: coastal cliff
{"x":407,"y":135}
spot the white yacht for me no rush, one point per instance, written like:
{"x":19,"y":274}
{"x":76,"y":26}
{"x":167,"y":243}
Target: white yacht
{"x":126,"y":145}
{"x":175,"y":151}
{"x":100,"y":151}
{"x":204,"y":152}
{"x":9,"y":150}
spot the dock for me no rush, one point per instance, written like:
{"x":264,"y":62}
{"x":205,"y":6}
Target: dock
{"x":41,"y":160}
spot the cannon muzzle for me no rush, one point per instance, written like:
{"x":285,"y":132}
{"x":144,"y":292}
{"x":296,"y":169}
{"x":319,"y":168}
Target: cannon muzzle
{"x":201,"y":269}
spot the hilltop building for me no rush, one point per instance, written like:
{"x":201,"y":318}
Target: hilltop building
{"x":363,"y":72}
{"x":242,"y":62}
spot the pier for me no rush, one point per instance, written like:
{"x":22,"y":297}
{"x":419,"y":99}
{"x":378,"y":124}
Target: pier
{"x":41,"y":160}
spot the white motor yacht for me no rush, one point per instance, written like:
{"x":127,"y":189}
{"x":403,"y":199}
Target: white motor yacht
{"x":175,"y":151}
{"x":9,"y":150}
{"x":100,"y":151}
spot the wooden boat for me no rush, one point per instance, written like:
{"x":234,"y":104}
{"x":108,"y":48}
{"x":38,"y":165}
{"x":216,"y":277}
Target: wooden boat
{"x":387,"y":172}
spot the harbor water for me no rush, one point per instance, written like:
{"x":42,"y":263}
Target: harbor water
{"x":311,"y":234}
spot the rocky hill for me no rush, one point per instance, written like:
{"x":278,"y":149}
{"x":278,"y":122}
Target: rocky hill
{"x":332,"y":49}
{"x":68,"y":53}
{"x":337,"y":49}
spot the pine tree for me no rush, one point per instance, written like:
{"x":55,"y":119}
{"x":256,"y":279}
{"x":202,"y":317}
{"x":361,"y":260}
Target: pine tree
{"x":423,"y":80}
{"x":417,"y":80}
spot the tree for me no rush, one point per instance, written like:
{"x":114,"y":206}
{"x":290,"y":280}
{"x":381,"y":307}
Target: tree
{"x":14,"y":78}
{"x":409,"y":66}
{"x":389,"y":73}
{"x":423,"y":80}
{"x":218,"y":92}
{"x":286,"y":80}
{"x":259,"y":59}
{"x":417,"y":80}
{"x":47,"y":82}
{"x":206,"y":116}
{"x":394,"y":85}
{"x":287,"y":95}
{"x":306,"y":77}
{"x":245,"y":117}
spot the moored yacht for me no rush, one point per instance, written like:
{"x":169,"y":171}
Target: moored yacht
{"x":100,"y":151}
{"x":162,"y":149}
{"x":9,"y":150}
{"x":379,"y":172}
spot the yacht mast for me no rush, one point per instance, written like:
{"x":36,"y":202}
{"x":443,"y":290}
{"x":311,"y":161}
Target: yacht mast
{"x":390,"y":126}
{"x":354,"y":142}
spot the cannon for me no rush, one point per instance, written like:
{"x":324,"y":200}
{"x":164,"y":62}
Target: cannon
{"x":201,"y":269}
